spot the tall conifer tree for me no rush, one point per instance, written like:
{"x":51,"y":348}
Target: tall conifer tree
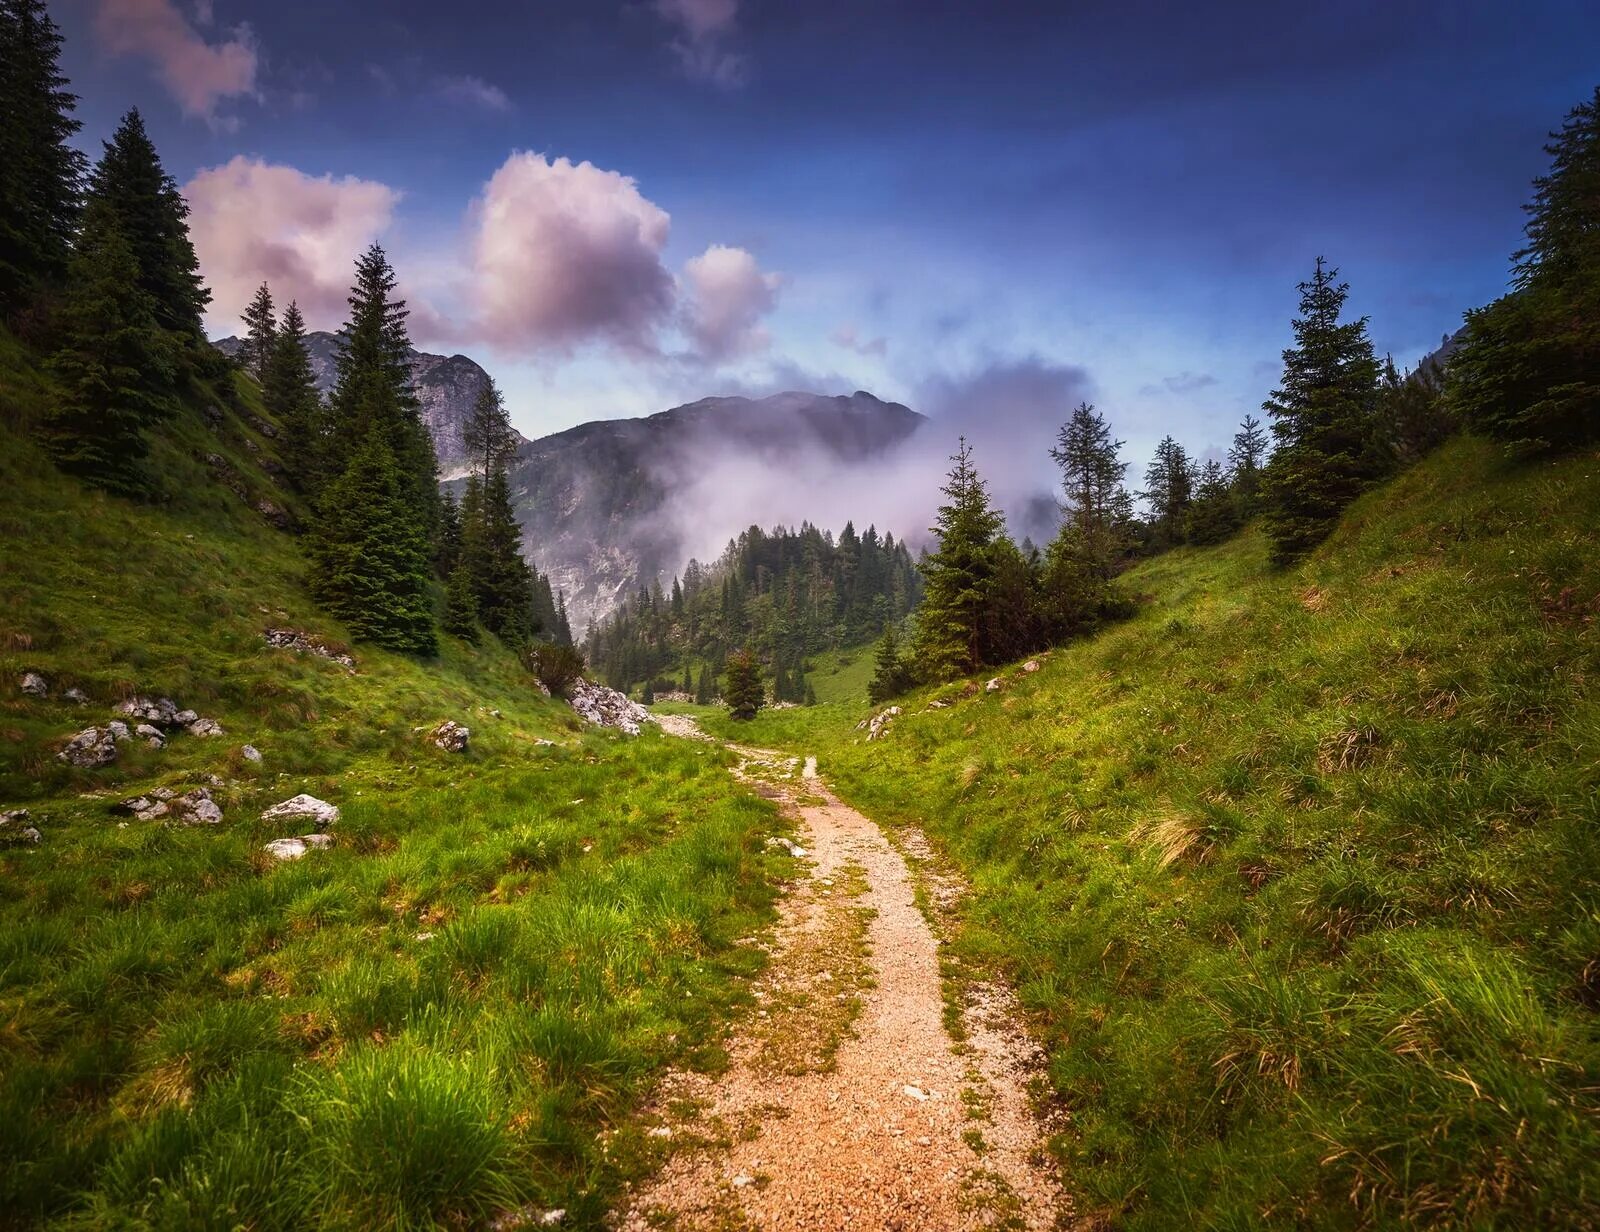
{"x":960,"y":575}
{"x":41,"y":174}
{"x":1246,"y":457}
{"x":1169,"y":489}
{"x":260,"y":333}
{"x":1323,"y":420}
{"x":289,"y":392}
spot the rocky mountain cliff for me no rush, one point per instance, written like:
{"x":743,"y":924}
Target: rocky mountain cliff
{"x":611,"y":505}
{"x":446,"y":385}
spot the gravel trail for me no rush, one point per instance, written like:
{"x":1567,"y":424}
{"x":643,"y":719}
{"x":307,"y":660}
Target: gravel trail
{"x":847,"y":1103}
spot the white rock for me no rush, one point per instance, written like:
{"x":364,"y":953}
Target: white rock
{"x":993,"y":686}
{"x":250,"y":753}
{"x":119,"y":730}
{"x":743,"y":1180}
{"x":148,"y":732}
{"x":92,"y":747}
{"x":285,"y":848}
{"x":916,"y":1093}
{"x":606,"y":707}
{"x":184,"y":718}
{"x":206,"y":728}
{"x":451,"y":736}
{"x":1032,"y":665}
{"x":319,"y":811}
{"x":76,"y":696}
{"x":34,"y":685}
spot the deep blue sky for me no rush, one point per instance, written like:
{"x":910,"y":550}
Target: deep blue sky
{"x":940,"y":202}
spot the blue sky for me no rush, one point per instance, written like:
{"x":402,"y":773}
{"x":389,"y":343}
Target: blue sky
{"x":985,"y":210}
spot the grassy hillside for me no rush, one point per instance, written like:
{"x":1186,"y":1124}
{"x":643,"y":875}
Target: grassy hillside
{"x":429,"y":1022}
{"x":1299,"y":873}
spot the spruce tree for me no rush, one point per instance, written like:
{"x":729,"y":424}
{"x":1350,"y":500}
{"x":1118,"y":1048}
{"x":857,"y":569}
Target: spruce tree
{"x":705,"y":688}
{"x":371,"y":544}
{"x":1169,"y":489}
{"x":1095,"y":506}
{"x":1324,"y":421}
{"x":260,"y":334}
{"x":114,"y":364}
{"x":1246,"y":457}
{"x":151,"y":213}
{"x":41,"y":174}
{"x":890,"y":673}
{"x":289,"y":393}
{"x":447,"y":543}
{"x":372,"y":392}
{"x":1529,"y":372}
{"x":743,"y":689}
{"x":959,"y":575}
{"x":460,"y":606}
{"x":1214,"y":513}
{"x":369,"y":556}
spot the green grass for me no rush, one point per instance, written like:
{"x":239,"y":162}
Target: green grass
{"x":1298,"y":874}
{"x":431,"y":1022}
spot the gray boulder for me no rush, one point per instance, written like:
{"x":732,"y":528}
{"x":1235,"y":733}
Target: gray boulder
{"x":76,"y":696}
{"x":319,"y":812}
{"x":34,"y":685}
{"x":15,"y":830}
{"x":90,"y":748}
{"x":206,"y":728}
{"x":451,"y":736}
{"x":294,"y":848}
{"x":196,"y":808}
{"x":251,"y":753}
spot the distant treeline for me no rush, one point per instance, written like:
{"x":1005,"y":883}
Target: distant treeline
{"x":783,"y":594}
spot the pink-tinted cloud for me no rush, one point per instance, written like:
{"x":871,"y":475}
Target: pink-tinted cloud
{"x":850,"y":338}
{"x":253,"y":221}
{"x":565,"y":253}
{"x":704,"y":28}
{"x":474,"y":92}
{"x":198,"y":74}
{"x":728,"y":295}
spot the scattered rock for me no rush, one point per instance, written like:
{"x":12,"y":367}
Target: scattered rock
{"x":213,"y":416}
{"x":268,"y":430}
{"x":779,"y":843}
{"x":251,"y":753}
{"x":148,"y":807}
{"x":606,"y":707}
{"x":163,"y":793}
{"x":1032,"y":665}
{"x":916,"y":1093}
{"x":196,"y":808}
{"x":992,"y":686}
{"x":294,"y":848}
{"x":92,"y":747}
{"x":119,"y":730}
{"x":76,"y":696}
{"x":879,"y":722}
{"x":307,"y":643}
{"x":152,"y":734}
{"x":15,"y":830}
{"x":206,"y":727}
{"x":185,"y":717}
{"x":743,"y":1180}
{"x":34,"y":685}
{"x":319,"y":811}
{"x":275,"y":514}
{"x":450,"y":736}
{"x":162,"y":711}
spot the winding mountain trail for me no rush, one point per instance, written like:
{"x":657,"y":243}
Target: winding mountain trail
{"x":847,"y":1101}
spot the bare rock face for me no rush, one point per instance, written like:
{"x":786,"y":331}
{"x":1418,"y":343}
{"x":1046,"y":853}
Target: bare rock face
{"x":91,"y":748}
{"x":451,"y":736}
{"x":606,"y":707}
{"x":303,"y":807}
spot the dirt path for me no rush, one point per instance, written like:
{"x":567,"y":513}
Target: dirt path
{"x":847,"y":1103}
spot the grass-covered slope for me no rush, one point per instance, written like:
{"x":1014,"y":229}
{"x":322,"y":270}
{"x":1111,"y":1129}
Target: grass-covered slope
{"x":426,"y":1024}
{"x":1299,"y":872}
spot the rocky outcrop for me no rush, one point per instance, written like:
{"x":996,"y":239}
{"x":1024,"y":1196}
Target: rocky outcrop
{"x":192,"y":808}
{"x":879,"y":723}
{"x":304,"y":808}
{"x":606,"y":707}
{"x":308,"y":643}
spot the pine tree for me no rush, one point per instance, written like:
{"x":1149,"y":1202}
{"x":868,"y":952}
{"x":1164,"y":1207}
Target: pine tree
{"x":1412,"y":411}
{"x":891,"y":676}
{"x":1246,"y":458}
{"x":369,"y":557}
{"x":705,"y":688}
{"x":743,"y":688}
{"x":289,"y":393}
{"x":1096,"y":507}
{"x":447,"y":543}
{"x":41,"y":174}
{"x":114,"y":364}
{"x":152,"y":215}
{"x":1323,"y":420}
{"x":959,"y":575}
{"x":1169,"y":489}
{"x":260,"y":334}
{"x":371,"y":543}
{"x":372,"y":392}
{"x":487,"y":436}
{"x":1529,"y":371}
{"x":1214,"y":513}
{"x":460,"y":607}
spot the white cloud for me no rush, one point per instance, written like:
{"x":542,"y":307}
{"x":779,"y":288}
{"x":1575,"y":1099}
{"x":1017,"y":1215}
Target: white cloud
{"x":849,"y":337}
{"x":565,"y":253}
{"x":728,"y":296}
{"x":198,"y":74}
{"x":704,"y":27}
{"x":253,"y":221}
{"x":474,"y":92}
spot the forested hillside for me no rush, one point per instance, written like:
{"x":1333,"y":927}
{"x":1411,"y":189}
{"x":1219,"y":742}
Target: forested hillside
{"x":783,"y":594}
